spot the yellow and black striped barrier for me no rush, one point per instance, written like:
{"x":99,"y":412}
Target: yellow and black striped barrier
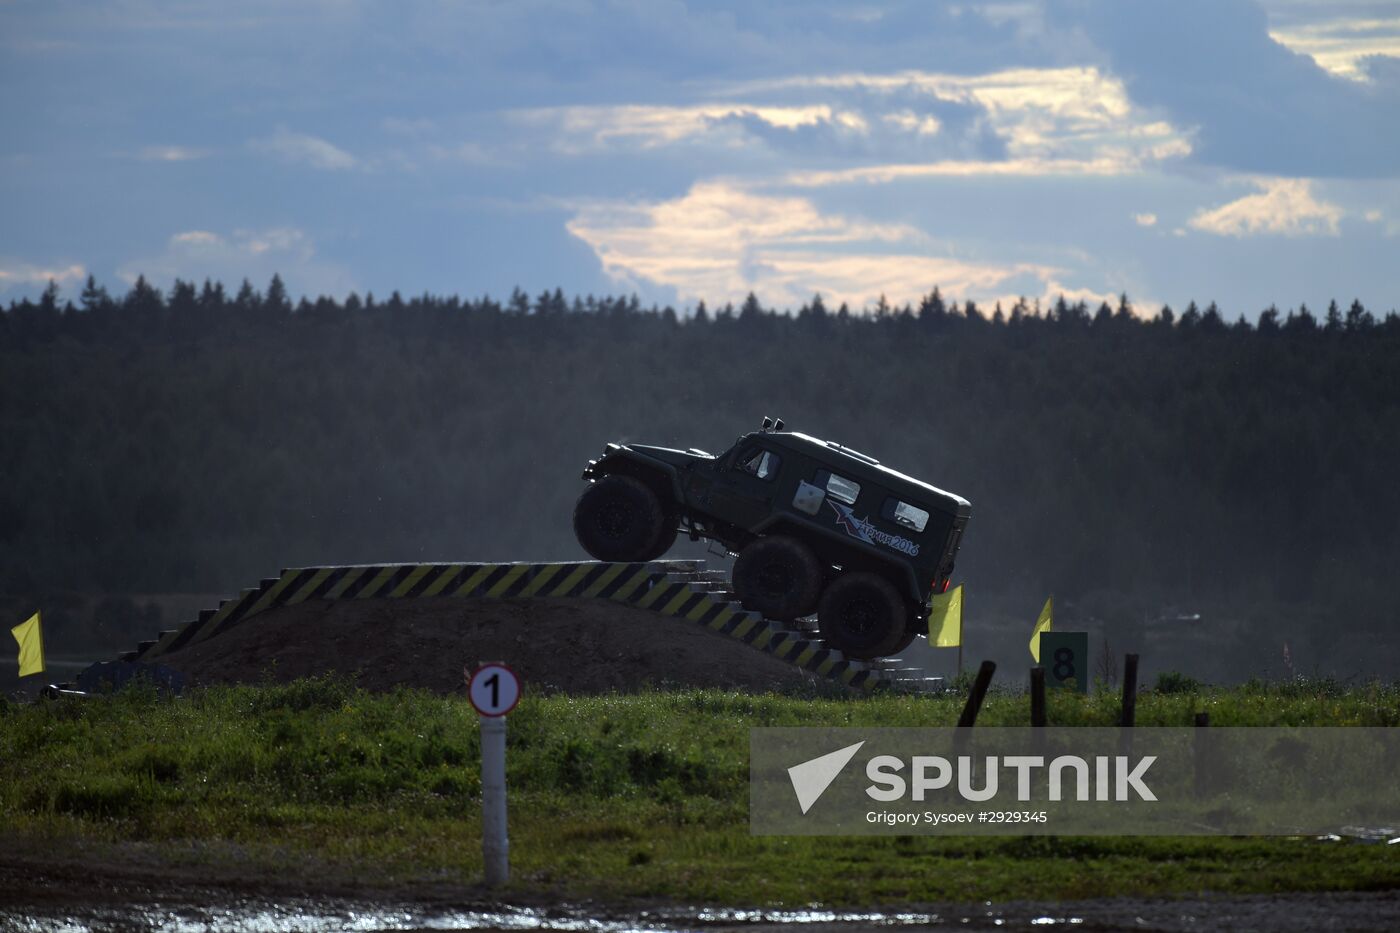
{"x":672,"y":588}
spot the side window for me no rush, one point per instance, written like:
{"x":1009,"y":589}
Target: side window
{"x":838,"y":487}
{"x":758,"y":462}
{"x":902,"y":513}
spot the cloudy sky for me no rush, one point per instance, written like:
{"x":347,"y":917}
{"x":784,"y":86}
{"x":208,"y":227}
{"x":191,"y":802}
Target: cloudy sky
{"x":1243,"y":152}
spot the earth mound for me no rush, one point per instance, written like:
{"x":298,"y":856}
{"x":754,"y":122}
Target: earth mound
{"x":573,"y":645}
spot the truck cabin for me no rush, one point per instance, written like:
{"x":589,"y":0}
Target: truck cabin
{"x":882,"y":510}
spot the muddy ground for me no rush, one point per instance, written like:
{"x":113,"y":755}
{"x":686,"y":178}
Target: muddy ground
{"x":573,"y":645}
{"x":74,"y":896}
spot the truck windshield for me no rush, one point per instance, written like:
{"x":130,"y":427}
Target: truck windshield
{"x":759,"y":462}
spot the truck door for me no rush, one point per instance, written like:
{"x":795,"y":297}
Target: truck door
{"x":743,"y":493}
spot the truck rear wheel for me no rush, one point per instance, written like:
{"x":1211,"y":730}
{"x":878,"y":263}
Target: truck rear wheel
{"x":619,"y":518}
{"x":904,"y":642}
{"x":862,"y":616}
{"x":778,"y":576}
{"x":916,"y":624}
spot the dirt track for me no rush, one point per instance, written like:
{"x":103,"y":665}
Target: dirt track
{"x":579,"y":646}
{"x":100,"y":898}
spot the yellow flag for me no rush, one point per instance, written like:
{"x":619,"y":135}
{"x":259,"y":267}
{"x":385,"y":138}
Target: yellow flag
{"x":945,"y":619}
{"x":1044,"y":624}
{"x":31,"y":646}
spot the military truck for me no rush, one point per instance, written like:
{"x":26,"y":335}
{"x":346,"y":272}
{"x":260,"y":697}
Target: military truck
{"x":815,"y":527}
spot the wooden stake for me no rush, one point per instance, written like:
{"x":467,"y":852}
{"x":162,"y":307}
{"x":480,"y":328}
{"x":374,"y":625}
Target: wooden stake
{"x":1130,"y":672}
{"x":1201,"y":752}
{"x":962,"y":633}
{"x":979,"y":692}
{"x":1038,"y":696}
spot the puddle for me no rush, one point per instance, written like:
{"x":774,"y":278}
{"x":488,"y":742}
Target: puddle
{"x":308,"y":918}
{"x":1371,"y":911}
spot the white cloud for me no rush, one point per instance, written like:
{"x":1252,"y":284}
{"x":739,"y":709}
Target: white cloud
{"x":17,"y":274}
{"x":468,"y":153}
{"x":1029,"y":121}
{"x":1339,"y":45}
{"x":196,"y":239}
{"x":589,"y":128}
{"x":884,"y":174}
{"x":1145,"y":220}
{"x":1283,"y":207}
{"x":1385,"y":225}
{"x":1044,"y":115}
{"x":911,"y":122}
{"x":171,"y":154}
{"x":305,"y":149}
{"x":718,"y":242}
{"x":1092,"y":298}
{"x":256,"y":255}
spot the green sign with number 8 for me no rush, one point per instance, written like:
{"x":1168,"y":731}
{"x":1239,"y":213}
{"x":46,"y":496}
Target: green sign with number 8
{"x":1065,"y":656}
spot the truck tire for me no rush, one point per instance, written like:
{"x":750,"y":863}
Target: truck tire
{"x":862,"y":615}
{"x":779,"y":577}
{"x":670,"y":528}
{"x":619,"y":518}
{"x":916,"y":625}
{"x":904,"y":642}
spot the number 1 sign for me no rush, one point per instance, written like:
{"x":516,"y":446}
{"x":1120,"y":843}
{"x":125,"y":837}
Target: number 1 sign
{"x":494,"y":689}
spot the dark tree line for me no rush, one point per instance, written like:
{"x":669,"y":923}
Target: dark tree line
{"x":201,"y":439}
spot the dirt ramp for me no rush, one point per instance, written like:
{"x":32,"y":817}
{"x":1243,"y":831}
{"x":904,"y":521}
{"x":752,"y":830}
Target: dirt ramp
{"x":573,"y":645}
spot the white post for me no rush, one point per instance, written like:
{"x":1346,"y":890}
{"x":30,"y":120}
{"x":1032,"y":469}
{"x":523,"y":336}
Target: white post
{"x":495,"y":845}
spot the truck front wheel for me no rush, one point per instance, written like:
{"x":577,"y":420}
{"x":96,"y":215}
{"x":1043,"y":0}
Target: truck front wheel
{"x":862,"y":616}
{"x":619,"y":518}
{"x":670,"y":528}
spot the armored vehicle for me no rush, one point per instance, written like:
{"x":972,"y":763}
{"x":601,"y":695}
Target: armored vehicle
{"x":815,"y":526}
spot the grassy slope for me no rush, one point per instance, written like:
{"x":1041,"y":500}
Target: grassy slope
{"x":612,"y":797}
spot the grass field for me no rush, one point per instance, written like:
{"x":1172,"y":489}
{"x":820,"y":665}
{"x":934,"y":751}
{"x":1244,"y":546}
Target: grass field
{"x":612,"y":797}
